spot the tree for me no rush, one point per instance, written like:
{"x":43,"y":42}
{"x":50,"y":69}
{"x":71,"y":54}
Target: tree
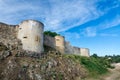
{"x":94,"y":55}
{"x":52,"y":34}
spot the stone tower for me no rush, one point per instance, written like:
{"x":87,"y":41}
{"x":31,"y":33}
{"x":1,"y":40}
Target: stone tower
{"x":60,"y":43}
{"x":84,"y":52}
{"x":30,"y":32}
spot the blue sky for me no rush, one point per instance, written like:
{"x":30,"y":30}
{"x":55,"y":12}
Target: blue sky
{"x":94,"y":24}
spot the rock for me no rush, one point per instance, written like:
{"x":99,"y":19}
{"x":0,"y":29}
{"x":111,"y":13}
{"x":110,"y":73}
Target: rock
{"x":6,"y":54}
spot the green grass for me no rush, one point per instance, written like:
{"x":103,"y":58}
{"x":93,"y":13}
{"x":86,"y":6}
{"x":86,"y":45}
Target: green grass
{"x":94,"y":65}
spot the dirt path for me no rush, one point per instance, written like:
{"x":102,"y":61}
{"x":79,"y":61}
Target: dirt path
{"x":114,"y":73}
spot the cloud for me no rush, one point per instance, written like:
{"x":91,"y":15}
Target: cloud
{"x":92,"y":31}
{"x":110,"y":23}
{"x":108,"y":35}
{"x":89,"y":32}
{"x":69,"y":14}
{"x":14,"y":11}
{"x":104,"y":6}
{"x":57,"y":15}
{"x":71,"y":35}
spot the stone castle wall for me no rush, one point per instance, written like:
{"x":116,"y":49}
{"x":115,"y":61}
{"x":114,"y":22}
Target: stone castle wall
{"x":68,"y":48}
{"x":65,"y":46}
{"x":30,"y":34}
{"x":57,"y":42}
{"x":84,"y":52}
{"x":76,"y":50}
{"x":60,"y":43}
{"x":49,"y":41}
{"x":8,"y":34}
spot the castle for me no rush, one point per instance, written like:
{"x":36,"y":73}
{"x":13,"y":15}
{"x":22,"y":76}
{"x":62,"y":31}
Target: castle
{"x":30,"y":34}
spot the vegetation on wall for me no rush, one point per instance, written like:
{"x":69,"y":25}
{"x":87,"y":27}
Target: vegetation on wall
{"x":52,"y":34}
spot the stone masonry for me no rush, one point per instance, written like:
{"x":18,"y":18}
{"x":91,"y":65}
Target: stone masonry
{"x":29,"y":34}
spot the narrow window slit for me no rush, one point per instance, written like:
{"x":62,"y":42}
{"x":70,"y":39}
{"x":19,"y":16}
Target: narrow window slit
{"x":25,"y":37}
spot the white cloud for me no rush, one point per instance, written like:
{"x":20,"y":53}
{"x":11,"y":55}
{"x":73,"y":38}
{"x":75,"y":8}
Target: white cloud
{"x":14,"y":11}
{"x":92,"y":31}
{"x":70,"y":14}
{"x":108,"y":35}
{"x":71,"y":35}
{"x":57,"y":15}
{"x":89,"y":32}
{"x":110,"y":23}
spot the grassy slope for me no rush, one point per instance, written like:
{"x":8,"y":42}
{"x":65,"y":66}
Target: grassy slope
{"x":56,"y":66}
{"x":94,"y":66}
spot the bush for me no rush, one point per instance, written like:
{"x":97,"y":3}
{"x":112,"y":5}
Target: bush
{"x":93,"y":65}
{"x":52,"y":34}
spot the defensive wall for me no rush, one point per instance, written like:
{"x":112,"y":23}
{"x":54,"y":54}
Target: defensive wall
{"x":29,"y":34}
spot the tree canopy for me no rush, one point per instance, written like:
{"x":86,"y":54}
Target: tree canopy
{"x":52,"y":34}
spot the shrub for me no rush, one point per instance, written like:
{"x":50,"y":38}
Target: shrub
{"x":93,"y":65}
{"x":52,"y":34}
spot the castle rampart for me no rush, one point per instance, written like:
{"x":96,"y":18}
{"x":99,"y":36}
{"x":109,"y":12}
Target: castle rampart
{"x":60,"y":43}
{"x":49,"y":41}
{"x":8,"y":34}
{"x":30,"y":34}
{"x":84,"y":52}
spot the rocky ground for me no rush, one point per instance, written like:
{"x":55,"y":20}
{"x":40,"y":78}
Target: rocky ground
{"x":16,"y":65}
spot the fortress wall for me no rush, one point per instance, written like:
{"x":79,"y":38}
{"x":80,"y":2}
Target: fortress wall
{"x":60,"y":43}
{"x":49,"y":41}
{"x":28,"y":35}
{"x":31,"y":35}
{"x":84,"y":52}
{"x":76,"y":50}
{"x":68,"y":48}
{"x":8,"y":34}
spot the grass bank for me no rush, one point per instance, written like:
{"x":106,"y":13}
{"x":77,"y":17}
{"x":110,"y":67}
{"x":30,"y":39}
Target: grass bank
{"x":95,"y":66}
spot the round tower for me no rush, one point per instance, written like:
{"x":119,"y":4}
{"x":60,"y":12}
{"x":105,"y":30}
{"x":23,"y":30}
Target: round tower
{"x":60,"y":43}
{"x":30,"y":32}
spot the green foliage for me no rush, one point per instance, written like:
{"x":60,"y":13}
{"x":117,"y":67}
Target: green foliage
{"x":95,"y":55}
{"x":95,"y":66}
{"x":52,"y":34}
{"x":103,"y":60}
{"x":114,"y":58}
{"x":108,"y":59}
